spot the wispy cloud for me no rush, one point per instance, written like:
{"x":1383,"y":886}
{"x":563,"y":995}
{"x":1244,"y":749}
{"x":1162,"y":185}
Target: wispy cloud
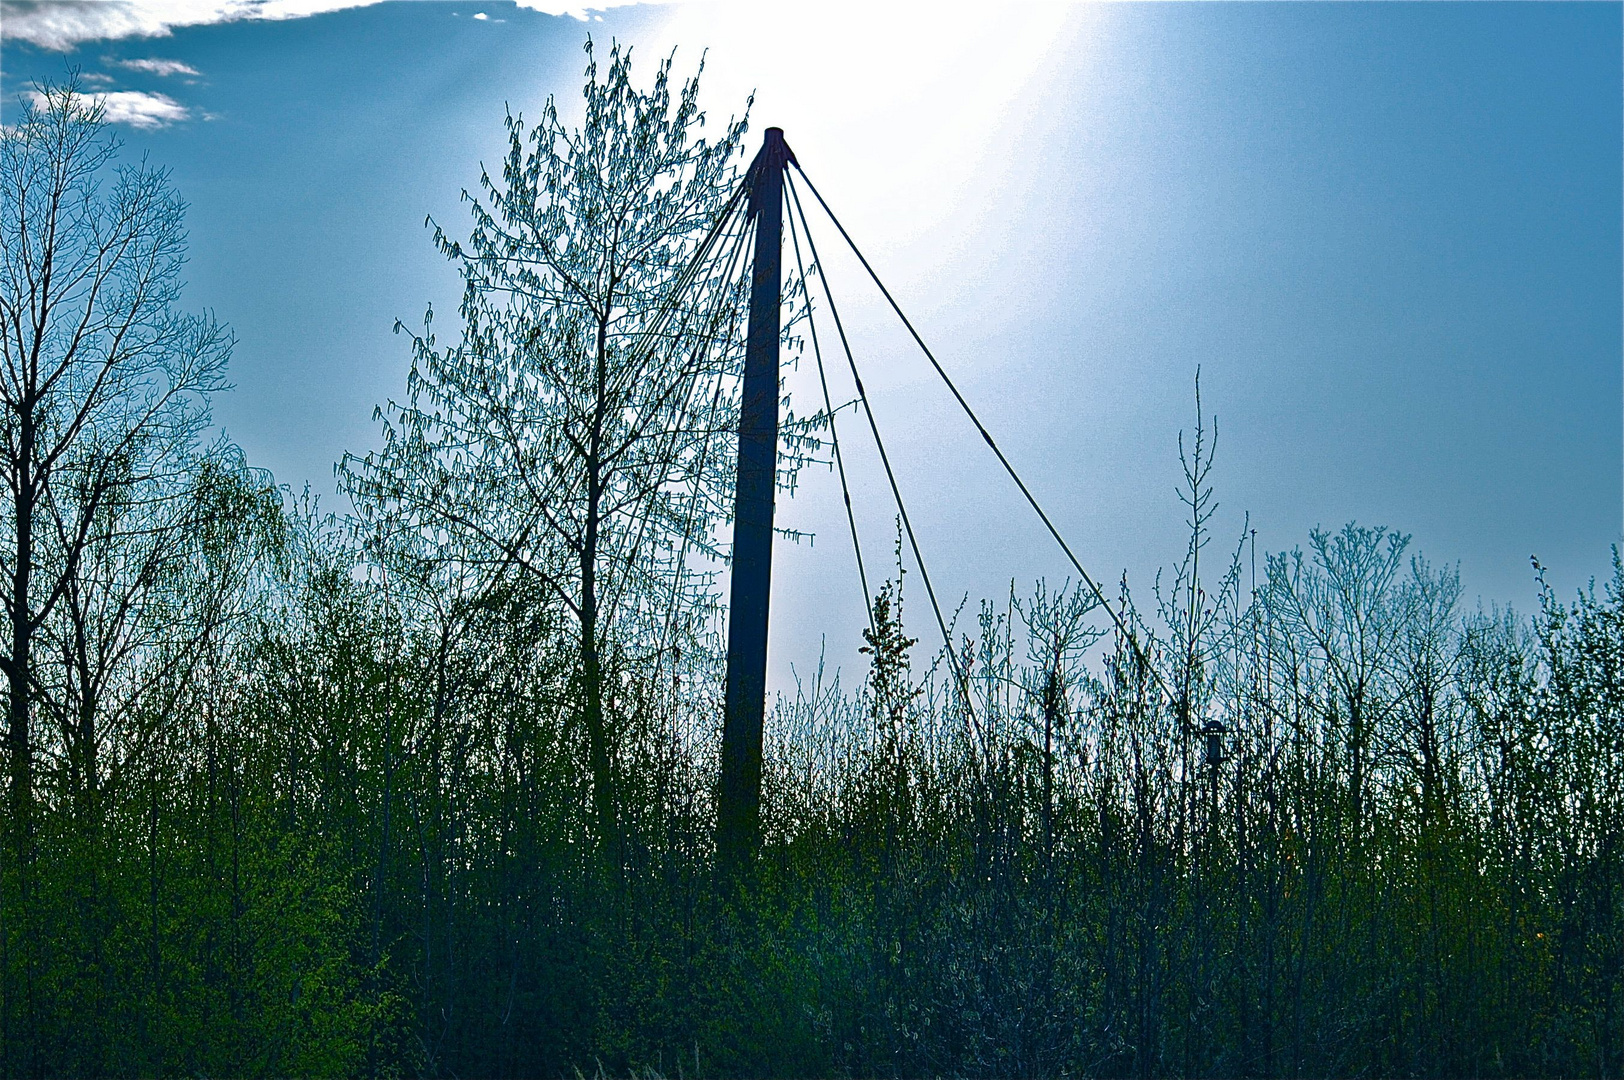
{"x":580,"y":11}
{"x":135,"y":108}
{"x":63,"y":25}
{"x":142,"y":110}
{"x":159,"y":67}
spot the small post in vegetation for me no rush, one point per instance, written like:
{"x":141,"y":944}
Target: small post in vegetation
{"x":1215,"y":732}
{"x":738,"y":808}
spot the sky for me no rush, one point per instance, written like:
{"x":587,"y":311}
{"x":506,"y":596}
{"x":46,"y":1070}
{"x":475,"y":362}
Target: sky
{"x":1387,"y":235}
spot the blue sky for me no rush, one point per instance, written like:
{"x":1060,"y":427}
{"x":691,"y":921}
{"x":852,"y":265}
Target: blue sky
{"x":1388,"y":234}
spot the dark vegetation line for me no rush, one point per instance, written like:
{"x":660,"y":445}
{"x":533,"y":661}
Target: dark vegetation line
{"x":429,"y":790}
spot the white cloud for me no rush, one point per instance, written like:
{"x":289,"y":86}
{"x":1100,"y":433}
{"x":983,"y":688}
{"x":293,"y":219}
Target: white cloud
{"x":141,"y":110}
{"x":62,"y":25}
{"x":135,"y":108}
{"x":480,"y":15}
{"x":580,"y":11}
{"x":159,"y":67}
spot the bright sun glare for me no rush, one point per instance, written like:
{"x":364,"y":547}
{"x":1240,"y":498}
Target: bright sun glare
{"x":901,"y":102}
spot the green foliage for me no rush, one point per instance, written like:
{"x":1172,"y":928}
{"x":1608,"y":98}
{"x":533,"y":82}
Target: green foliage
{"x":889,"y":691}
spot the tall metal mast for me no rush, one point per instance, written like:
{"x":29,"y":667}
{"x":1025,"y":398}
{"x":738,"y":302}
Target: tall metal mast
{"x":738,"y":808}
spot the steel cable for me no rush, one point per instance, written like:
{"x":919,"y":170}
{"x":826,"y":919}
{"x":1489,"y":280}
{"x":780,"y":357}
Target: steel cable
{"x":986,"y":436}
{"x":828,"y":408}
{"x":885,"y":460}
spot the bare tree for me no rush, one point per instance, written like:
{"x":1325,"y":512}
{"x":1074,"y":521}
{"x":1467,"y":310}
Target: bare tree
{"x":103,"y":396}
{"x":1344,"y":599}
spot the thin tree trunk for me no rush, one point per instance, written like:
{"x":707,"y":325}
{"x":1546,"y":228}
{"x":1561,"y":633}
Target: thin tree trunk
{"x":20,"y":662}
{"x":18,"y":670}
{"x":591,"y":662}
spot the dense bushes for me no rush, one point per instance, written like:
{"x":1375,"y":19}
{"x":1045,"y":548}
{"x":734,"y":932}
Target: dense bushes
{"x":363,"y":842}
